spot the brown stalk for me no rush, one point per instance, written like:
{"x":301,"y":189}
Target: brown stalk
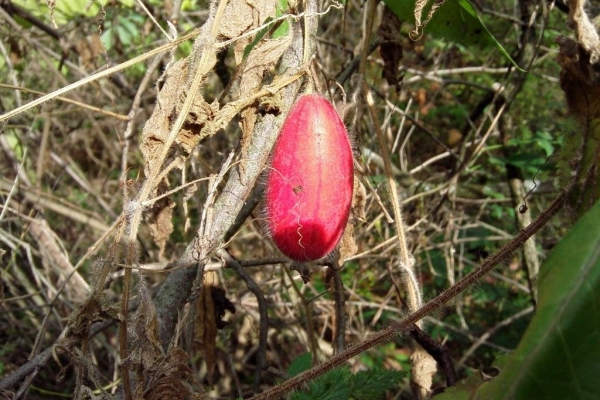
{"x":404,"y":325}
{"x":340,"y":308}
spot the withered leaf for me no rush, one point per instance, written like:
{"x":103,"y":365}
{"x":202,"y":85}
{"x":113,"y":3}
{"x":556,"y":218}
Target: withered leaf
{"x":159,"y":220}
{"x":146,"y":349}
{"x":210,"y":309}
{"x":169,"y":381}
{"x":241,"y":15}
{"x":390,"y":48}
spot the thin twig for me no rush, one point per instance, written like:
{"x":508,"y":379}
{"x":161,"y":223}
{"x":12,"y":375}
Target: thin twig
{"x":340,"y":308}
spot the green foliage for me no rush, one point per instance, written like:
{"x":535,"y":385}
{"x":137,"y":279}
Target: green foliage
{"x":557,"y":357}
{"x":280,"y":8}
{"x":456,"y":21}
{"x":278,"y":29}
{"x":64,"y":11}
{"x":529,"y":151}
{"x":341,"y":384}
{"x":124,"y":28}
{"x":300,"y":364}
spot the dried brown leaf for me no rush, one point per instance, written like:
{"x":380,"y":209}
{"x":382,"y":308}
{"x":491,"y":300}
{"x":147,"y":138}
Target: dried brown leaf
{"x":585,"y":31}
{"x":390,"y":48}
{"x":347,"y":247}
{"x":242,"y":15}
{"x":260,"y":60}
{"x":359,"y":201}
{"x":156,"y":130}
{"x":159,"y":219}
{"x":423,"y":369}
{"x":146,"y":349}
{"x":211,"y":307}
{"x":170,"y":380}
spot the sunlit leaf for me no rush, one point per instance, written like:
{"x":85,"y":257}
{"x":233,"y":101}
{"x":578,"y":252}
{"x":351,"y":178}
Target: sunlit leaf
{"x":455,"y":20}
{"x":558,"y":355}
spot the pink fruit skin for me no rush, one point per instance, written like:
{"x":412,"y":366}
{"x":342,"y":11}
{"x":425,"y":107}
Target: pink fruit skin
{"x":310,"y":181}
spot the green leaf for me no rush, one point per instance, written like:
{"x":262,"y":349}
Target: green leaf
{"x":283,"y":29}
{"x":557,"y":357}
{"x":372,"y":384}
{"x":278,"y":28}
{"x":456,"y":21}
{"x":257,"y":39}
{"x":462,"y":390}
{"x":331,"y":386}
{"x":300,"y":364}
{"x":340,"y":384}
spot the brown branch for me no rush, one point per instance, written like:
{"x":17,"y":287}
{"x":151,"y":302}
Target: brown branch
{"x":340,"y":308}
{"x":404,"y":325}
{"x":437,"y":351}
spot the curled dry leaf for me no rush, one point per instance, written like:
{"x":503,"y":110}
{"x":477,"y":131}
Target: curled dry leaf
{"x":159,"y":221}
{"x":210,"y":309}
{"x":423,"y":369}
{"x":156,"y":130}
{"x":170,"y":380}
{"x":77,"y":337}
{"x":164,"y":376}
{"x":260,"y":60}
{"x":200,"y":114}
{"x":587,"y":36}
{"x":240,"y":16}
{"x":347,"y":246}
{"x":390,"y":48}
{"x":146,"y":349}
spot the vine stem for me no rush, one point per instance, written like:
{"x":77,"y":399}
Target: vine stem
{"x":405,"y":324}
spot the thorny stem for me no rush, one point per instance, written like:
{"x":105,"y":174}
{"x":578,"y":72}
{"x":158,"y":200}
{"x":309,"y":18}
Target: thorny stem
{"x":175,"y":291}
{"x":340,"y":312}
{"x":403,"y":326}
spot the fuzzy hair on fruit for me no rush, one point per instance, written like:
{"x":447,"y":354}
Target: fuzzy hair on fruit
{"x":310,"y":180}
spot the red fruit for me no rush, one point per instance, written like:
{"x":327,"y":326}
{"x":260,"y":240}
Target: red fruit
{"x":310,"y":181}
